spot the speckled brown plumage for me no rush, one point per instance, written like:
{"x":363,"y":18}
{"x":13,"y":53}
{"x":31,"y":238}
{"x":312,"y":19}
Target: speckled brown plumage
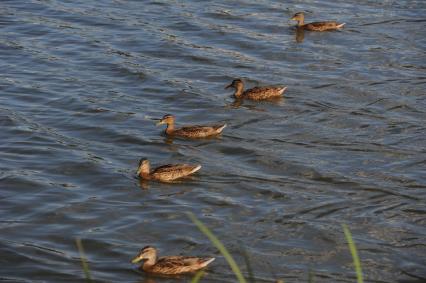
{"x":261,"y":93}
{"x":176,"y":264}
{"x":169,"y":265}
{"x":316,"y":26}
{"x":257,"y":93}
{"x":165,"y":173}
{"x":194,"y":131}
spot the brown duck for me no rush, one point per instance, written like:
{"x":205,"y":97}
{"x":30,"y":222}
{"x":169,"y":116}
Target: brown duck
{"x":316,"y":26}
{"x":257,"y":93}
{"x":169,"y":265}
{"x":165,"y":173}
{"x":190,"y":131}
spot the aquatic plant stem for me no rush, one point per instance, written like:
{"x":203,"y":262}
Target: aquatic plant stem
{"x":197,"y":276}
{"x":83,"y":259}
{"x":354,"y":253}
{"x":218,"y":244}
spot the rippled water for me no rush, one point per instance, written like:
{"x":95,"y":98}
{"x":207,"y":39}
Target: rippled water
{"x":79,"y":80}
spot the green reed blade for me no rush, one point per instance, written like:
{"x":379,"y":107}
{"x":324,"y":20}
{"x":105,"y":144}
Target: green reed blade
{"x":197,"y":276}
{"x":83,"y":260}
{"x":218,"y":244}
{"x":354,"y":253}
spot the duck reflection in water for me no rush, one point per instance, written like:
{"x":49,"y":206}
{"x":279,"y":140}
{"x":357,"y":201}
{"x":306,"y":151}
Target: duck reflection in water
{"x":237,"y":103}
{"x":144,"y":184}
{"x":159,"y":278}
{"x":300,"y":34}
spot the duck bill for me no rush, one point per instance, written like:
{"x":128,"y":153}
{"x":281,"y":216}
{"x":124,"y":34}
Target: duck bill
{"x":293,"y":19}
{"x":161,"y":122}
{"x":228,"y":86}
{"x":136,"y":259}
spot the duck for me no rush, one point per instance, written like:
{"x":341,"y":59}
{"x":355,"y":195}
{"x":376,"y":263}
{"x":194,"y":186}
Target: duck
{"x":169,"y":265}
{"x":257,"y":93}
{"x":316,"y":26}
{"x":194,"y":131}
{"x":165,"y":173}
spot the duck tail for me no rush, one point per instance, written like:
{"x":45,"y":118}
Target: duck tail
{"x":220,"y":128}
{"x":196,"y":168}
{"x":207,"y":261}
{"x":340,"y":25}
{"x":282,"y":90}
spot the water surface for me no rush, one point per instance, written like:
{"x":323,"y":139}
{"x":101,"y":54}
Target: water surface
{"x":79,"y":81}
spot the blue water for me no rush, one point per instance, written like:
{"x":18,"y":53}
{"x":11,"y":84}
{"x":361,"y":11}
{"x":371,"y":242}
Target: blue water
{"x":81,"y":80}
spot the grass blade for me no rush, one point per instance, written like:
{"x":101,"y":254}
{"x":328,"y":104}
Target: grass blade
{"x":83,"y":260}
{"x":354,"y":253}
{"x":218,"y":244}
{"x":197,"y":276}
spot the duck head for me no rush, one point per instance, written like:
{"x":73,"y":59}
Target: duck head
{"x":299,"y":17}
{"x":235,"y":84}
{"x":238,"y":85}
{"x":143,"y":167}
{"x":167,"y":119}
{"x":147,"y":253}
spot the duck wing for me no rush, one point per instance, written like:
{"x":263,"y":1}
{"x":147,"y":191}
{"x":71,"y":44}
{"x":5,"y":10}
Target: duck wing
{"x":197,"y":131}
{"x":323,"y":26}
{"x":261,"y":93}
{"x":170,"y":172}
{"x":179,"y":264}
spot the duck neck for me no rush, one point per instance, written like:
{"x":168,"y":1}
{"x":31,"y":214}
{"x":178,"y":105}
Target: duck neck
{"x":144,"y":172}
{"x":239,"y":90}
{"x":150,"y":262}
{"x":301,"y":22}
{"x":170,"y":127}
